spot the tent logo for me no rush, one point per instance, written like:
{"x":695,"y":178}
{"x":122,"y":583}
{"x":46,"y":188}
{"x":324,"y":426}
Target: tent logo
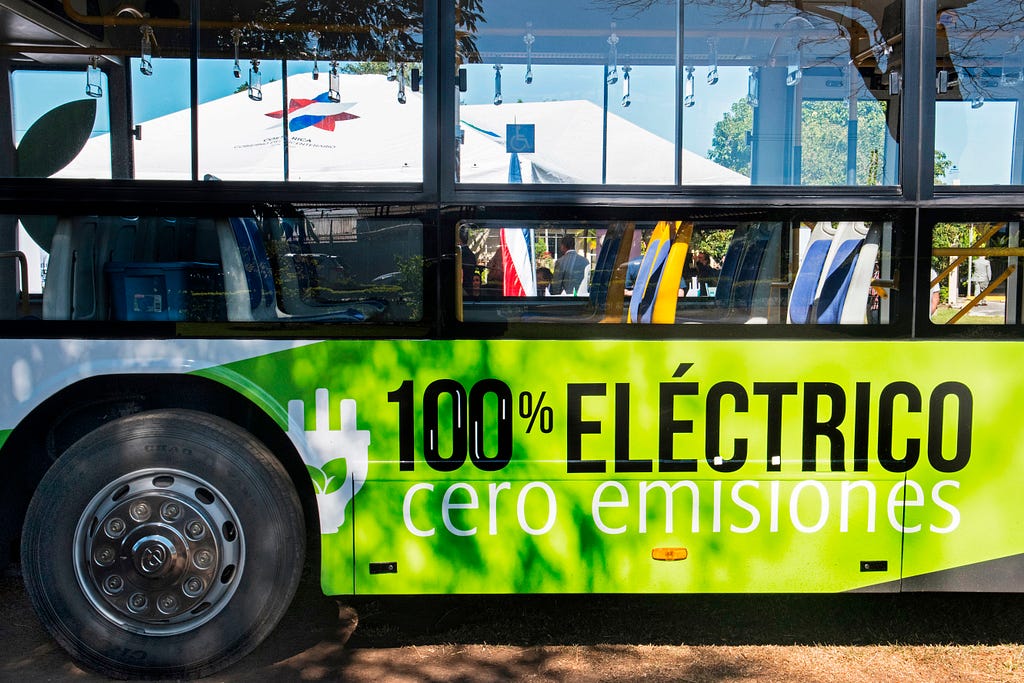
{"x":318,"y":113}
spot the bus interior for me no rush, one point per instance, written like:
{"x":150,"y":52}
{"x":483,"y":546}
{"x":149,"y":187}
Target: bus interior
{"x":623,"y":96}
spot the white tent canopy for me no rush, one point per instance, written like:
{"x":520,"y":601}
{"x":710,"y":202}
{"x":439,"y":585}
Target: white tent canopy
{"x":569,"y":148}
{"x":370,"y":137}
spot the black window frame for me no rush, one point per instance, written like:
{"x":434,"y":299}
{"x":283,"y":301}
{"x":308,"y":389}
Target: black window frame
{"x":917,"y":203}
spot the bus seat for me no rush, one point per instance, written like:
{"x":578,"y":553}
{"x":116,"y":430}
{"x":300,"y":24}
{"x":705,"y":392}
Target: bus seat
{"x":121,"y":245}
{"x":812,"y":264}
{"x":238,"y":298}
{"x":255,"y":264}
{"x":74,"y":283}
{"x":848,"y":306}
{"x":169,"y":240}
{"x":730,"y":266}
{"x":672,"y":274}
{"x":57,"y":290}
{"x":206,"y":242}
{"x":855,"y":305}
{"x":654,"y":257}
{"x":612,"y":304}
{"x":656,"y":291}
{"x":755,"y":271}
{"x":607,"y":262}
{"x":833,"y":282}
{"x":748,"y":269}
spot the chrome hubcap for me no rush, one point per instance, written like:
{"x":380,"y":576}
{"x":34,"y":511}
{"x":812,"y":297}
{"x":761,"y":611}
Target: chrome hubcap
{"x":159,"y":551}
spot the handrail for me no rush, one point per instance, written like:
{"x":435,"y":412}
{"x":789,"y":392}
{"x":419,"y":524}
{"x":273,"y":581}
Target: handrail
{"x":961,"y":255}
{"x":20,"y":256}
{"x":981,"y":296}
{"x":978,"y":251}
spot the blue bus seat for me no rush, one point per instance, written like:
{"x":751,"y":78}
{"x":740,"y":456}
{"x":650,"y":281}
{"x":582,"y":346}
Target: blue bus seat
{"x":833,"y":282}
{"x":806,"y":284}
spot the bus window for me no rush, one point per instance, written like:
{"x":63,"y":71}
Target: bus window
{"x":160,"y":108}
{"x":584,"y":95}
{"x":979,"y":89}
{"x":677,"y":272}
{"x":974,"y":278}
{"x":62,"y":123}
{"x":338,"y":265}
{"x":331,"y":265}
{"x":321,"y":93}
{"x":751,"y":93}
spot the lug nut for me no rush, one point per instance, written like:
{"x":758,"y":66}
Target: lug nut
{"x":114,"y":584}
{"x":105,"y":556}
{"x":203,"y":559}
{"x":170,"y":511}
{"x":167,"y":603}
{"x":138,"y":602}
{"x":140,"y":511}
{"x":193,"y":586}
{"x":114,"y":527}
{"x":195,"y":530}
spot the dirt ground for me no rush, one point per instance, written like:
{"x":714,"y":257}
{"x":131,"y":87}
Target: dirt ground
{"x":858,"y":638}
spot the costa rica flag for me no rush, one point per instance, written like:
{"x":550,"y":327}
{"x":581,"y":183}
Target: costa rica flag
{"x":517,"y":260}
{"x":319,"y":113}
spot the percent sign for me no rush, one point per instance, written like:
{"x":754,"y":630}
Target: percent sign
{"x":529,"y":409}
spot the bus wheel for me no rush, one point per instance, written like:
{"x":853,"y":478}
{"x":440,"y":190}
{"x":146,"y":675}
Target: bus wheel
{"x":164,"y":544}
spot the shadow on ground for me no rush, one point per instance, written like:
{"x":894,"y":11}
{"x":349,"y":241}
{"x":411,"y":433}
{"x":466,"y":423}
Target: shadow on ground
{"x":909,"y":619}
{"x":359,"y":639}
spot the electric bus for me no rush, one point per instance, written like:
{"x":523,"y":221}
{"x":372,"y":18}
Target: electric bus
{"x":482,"y":297}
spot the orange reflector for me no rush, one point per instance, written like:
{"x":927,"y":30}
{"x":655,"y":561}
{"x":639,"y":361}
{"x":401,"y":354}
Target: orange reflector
{"x":668,"y":554}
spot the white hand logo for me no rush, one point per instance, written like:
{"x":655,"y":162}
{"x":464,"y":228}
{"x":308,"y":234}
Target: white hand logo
{"x":337,"y":460}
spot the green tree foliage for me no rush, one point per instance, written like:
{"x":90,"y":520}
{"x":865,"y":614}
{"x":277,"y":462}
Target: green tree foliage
{"x":825,"y":124}
{"x":942,"y":166}
{"x":729,"y":143}
{"x":411,"y":282}
{"x":347,"y":31}
{"x":375,"y":68}
{"x":951,"y":234}
{"x":946,"y":235}
{"x":824,"y":141}
{"x":712,"y":242}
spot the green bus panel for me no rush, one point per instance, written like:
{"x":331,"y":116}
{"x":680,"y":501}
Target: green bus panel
{"x":527,"y":538}
{"x":491,"y":466}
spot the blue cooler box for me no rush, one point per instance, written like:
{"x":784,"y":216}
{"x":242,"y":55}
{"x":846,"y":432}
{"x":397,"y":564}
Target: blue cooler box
{"x":174,"y":291}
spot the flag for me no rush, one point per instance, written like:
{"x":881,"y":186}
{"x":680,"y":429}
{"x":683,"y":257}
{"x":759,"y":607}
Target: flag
{"x":517,"y":259}
{"x":515,"y":171}
{"x":320,"y":112}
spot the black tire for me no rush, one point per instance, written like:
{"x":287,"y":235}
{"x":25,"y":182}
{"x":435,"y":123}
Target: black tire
{"x":167,"y":544}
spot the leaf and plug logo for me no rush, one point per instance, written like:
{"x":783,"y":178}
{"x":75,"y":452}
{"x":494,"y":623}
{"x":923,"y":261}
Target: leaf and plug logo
{"x":337,"y":459}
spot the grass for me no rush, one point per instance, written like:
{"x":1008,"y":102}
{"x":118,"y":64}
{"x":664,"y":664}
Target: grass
{"x":944,"y":313}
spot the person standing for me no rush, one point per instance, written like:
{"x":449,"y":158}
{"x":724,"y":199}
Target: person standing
{"x":875,"y":299}
{"x":468,"y":258}
{"x":569,"y":268}
{"x":982,"y":275}
{"x":495,"y":285}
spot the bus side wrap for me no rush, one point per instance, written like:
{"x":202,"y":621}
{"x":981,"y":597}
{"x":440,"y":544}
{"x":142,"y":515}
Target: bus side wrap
{"x":551,"y":466}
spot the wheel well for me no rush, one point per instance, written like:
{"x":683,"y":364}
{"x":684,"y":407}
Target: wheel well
{"x":70,"y":414}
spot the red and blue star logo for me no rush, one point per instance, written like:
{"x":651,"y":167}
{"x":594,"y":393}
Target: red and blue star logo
{"x":320,"y":113}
